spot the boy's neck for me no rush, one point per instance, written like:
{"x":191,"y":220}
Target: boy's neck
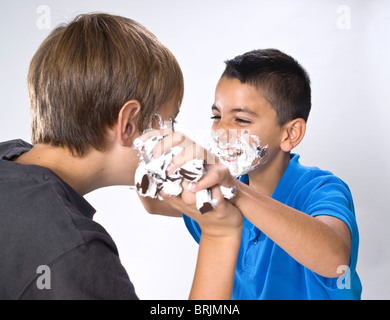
{"x":266,"y":178}
{"x":83,"y":174}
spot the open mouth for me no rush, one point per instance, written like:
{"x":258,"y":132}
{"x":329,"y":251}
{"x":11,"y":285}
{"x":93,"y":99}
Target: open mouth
{"x":241,"y":153}
{"x":230,"y":155}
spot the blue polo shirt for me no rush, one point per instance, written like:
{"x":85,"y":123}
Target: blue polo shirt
{"x":266,"y":271}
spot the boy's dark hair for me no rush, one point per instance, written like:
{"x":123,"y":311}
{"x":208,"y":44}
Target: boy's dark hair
{"x":85,"y":71}
{"x":284,"y":83}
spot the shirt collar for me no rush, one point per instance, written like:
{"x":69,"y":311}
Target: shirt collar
{"x":285,"y":181}
{"x":288,"y":179}
{"x":13,"y":148}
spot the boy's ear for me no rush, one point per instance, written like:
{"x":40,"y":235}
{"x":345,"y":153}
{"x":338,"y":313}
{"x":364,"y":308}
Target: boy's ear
{"x":293,"y":134}
{"x":127,"y":122}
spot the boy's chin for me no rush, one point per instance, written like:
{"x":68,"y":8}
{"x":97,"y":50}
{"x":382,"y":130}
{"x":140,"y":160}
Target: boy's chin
{"x":237,"y":167}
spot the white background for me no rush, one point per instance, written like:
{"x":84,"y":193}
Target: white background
{"x":349,"y":64}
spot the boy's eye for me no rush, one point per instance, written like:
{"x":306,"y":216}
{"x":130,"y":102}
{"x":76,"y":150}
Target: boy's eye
{"x":242,"y":121}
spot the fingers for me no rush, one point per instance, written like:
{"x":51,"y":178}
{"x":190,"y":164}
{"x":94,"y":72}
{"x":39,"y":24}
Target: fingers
{"x":217,"y":196}
{"x":166,"y":141}
{"x":159,"y":142}
{"x":186,"y":197}
{"x":190,"y":152}
{"x":153,"y":133}
{"x":217,"y":175}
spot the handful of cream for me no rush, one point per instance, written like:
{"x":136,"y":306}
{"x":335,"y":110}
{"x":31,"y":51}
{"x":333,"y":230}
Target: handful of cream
{"x":151,"y":176}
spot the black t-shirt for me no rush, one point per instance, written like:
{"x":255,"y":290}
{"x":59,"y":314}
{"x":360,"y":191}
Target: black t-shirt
{"x":50,"y":247}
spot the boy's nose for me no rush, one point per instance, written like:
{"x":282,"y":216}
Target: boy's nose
{"x":226,"y":137}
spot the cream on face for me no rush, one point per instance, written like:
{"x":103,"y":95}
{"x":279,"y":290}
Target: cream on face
{"x":152,"y":177}
{"x":238,"y":150}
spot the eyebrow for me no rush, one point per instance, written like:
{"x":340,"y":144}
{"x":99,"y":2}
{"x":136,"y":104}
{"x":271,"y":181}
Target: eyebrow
{"x":237,"y":110}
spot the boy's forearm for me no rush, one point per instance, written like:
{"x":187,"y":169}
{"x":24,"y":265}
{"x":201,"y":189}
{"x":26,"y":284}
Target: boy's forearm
{"x":214,"y":274}
{"x":308,"y":240}
{"x":161,"y":207}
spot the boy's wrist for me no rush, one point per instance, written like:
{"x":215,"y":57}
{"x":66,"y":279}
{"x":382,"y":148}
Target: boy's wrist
{"x":230,"y":237}
{"x":236,"y":190}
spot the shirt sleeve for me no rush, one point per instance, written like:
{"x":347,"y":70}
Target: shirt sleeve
{"x":91,"y":271}
{"x":332,"y":197}
{"x":192,"y":227}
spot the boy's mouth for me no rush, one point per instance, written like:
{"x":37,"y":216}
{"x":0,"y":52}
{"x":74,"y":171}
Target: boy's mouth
{"x":237,"y":152}
{"x":230,"y":155}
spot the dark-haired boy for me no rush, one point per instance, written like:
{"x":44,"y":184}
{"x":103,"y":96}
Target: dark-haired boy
{"x":300,"y":237}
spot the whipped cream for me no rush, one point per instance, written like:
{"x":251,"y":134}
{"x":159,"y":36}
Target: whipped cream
{"x":235,"y":151}
{"x":151,"y":176}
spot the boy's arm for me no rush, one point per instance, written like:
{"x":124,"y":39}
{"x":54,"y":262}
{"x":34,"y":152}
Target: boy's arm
{"x":214,"y":274}
{"x":320,"y":243}
{"x":218,"y":246}
{"x":161,"y":207}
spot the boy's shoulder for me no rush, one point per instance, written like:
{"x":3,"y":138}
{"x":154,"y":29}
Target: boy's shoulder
{"x":12,"y":148}
{"x":299,"y":174}
{"x":36,"y":200}
{"x":35,"y":195}
{"x":43,"y":220}
{"x":304,"y":184}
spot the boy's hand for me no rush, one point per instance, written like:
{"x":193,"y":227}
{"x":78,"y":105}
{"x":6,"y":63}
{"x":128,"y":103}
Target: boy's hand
{"x":221,"y":227}
{"x":217,"y":174}
{"x":224,"y":220}
{"x":191,"y":150}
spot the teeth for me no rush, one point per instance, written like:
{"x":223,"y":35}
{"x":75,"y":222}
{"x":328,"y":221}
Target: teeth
{"x":228,"y":155}
{"x":240,"y":155}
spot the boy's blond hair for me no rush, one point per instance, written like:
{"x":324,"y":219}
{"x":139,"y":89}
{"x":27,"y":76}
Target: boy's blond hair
{"x":85,"y":71}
